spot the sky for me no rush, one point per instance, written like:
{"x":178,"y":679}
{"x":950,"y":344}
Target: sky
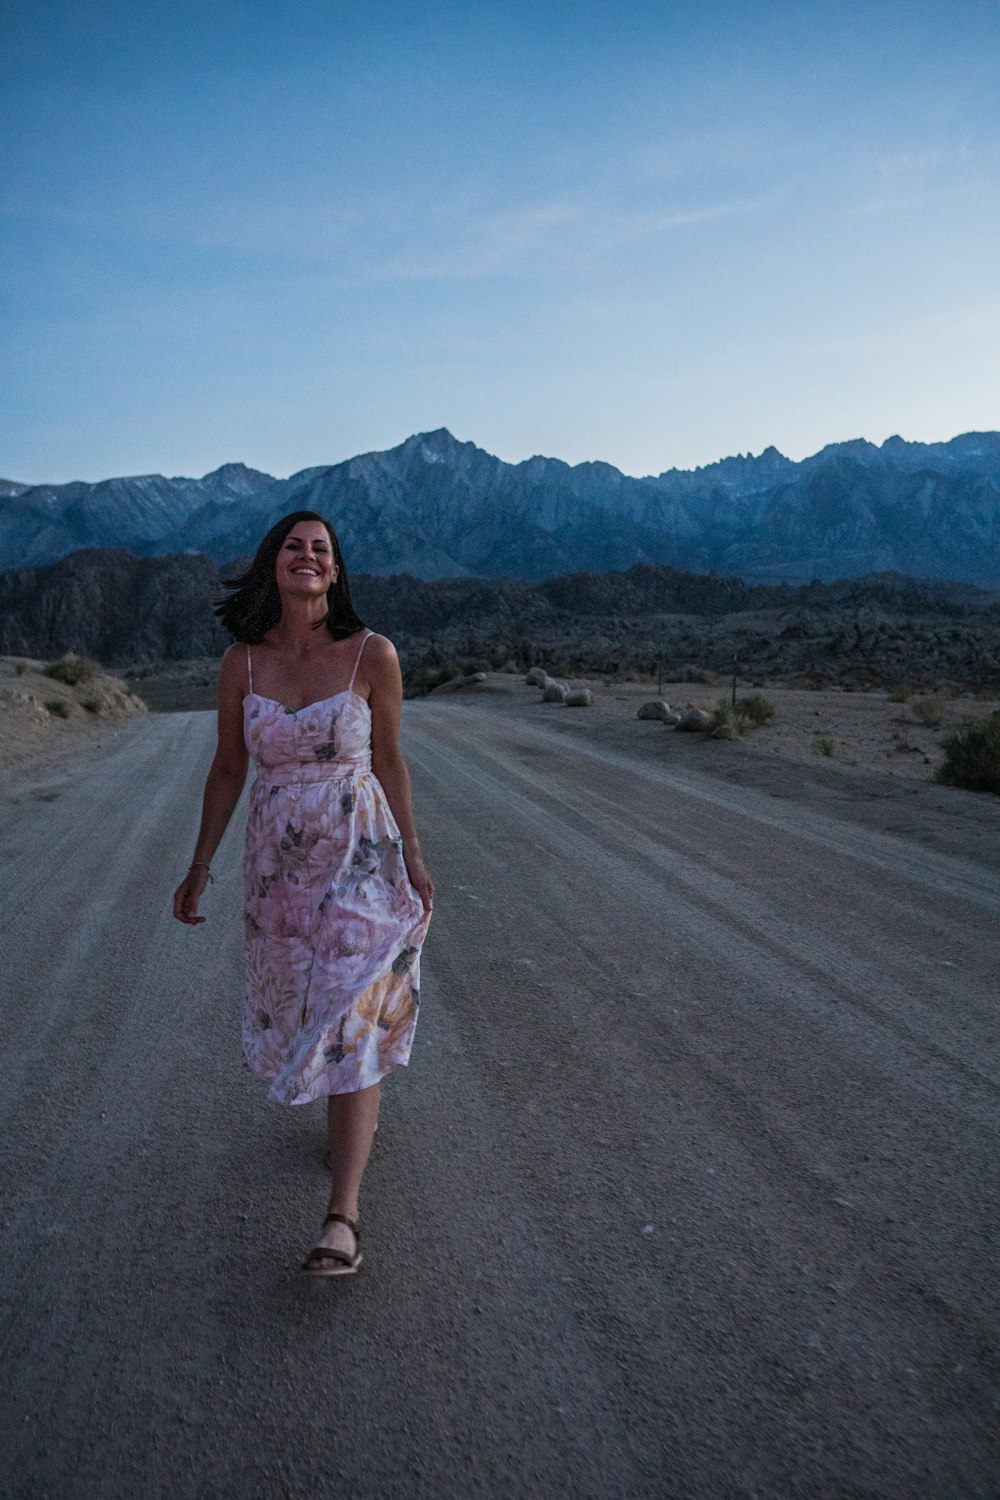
{"x":653,"y":234}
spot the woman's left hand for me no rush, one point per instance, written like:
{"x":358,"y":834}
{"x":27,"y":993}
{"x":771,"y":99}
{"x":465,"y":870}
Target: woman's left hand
{"x":419,"y":877}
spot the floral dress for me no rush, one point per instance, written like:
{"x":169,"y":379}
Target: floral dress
{"x":333,"y":925}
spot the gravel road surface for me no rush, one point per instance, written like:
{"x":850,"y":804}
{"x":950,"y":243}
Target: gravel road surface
{"x":690,"y":1190}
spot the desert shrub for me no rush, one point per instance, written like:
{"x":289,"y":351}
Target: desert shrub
{"x":930,"y":709}
{"x":92,"y":705}
{"x":740,"y":719}
{"x":726,"y":721}
{"x":422,"y":676}
{"x":758,"y":709}
{"x":72,"y":669}
{"x":824,"y":744}
{"x":21,"y":668}
{"x":901,"y":692}
{"x":972,"y":757}
{"x":58,"y":707}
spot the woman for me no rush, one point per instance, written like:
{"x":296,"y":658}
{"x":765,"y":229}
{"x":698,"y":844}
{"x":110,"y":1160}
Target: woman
{"x":338,"y":898}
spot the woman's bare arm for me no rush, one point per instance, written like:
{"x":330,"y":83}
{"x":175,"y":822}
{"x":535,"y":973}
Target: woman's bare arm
{"x":223,"y":784}
{"x":386,"y":704}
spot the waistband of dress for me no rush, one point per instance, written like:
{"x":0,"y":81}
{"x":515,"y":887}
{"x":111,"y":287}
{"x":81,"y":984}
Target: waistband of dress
{"x":296,"y":773}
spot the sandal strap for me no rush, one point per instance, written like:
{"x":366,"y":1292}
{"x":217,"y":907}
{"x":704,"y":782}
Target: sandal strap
{"x":322,"y":1253}
{"x":342,"y":1219}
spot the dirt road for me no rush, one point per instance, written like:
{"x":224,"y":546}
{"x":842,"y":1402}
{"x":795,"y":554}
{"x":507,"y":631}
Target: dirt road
{"x":691,"y":1188}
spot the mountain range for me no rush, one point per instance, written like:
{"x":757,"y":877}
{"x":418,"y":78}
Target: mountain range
{"x":435,"y":507}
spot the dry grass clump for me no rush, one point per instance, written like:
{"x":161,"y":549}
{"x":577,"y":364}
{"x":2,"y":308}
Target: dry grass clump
{"x":972,"y":757}
{"x":58,"y":707}
{"x":72,"y":669}
{"x":757,"y":709}
{"x":731,"y":721}
{"x":900,"y":692}
{"x":930,"y":709}
{"x":824,"y":744}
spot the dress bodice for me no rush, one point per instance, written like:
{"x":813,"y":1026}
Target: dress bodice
{"x":324,"y":741}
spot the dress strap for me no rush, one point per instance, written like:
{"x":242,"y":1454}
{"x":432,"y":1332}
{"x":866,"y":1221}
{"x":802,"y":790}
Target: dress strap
{"x":249,"y":667}
{"x":364,"y":642}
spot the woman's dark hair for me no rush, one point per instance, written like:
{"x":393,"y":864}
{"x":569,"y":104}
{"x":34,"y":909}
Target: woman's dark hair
{"x":255,"y":605}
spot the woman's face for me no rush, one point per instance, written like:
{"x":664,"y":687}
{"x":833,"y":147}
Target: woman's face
{"x":305,"y":565}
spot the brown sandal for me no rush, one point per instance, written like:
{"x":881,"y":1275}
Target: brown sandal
{"x":324,"y":1261}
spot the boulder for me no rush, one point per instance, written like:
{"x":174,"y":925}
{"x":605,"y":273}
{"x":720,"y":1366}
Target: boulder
{"x":695,"y":719}
{"x":536,"y":677}
{"x":655,"y":708}
{"x":554,"y":692}
{"x":579,"y":698}
{"x":673,"y":718}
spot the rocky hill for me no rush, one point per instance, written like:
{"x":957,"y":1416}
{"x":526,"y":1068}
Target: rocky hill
{"x":126,"y":611}
{"x":435,"y":507}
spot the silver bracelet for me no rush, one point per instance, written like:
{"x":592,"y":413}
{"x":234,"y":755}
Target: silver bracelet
{"x":200,"y":862}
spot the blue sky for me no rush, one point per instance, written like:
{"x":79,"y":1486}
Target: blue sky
{"x":652,"y":234}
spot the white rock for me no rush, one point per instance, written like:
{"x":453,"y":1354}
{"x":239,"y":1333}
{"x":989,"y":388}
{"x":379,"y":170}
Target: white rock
{"x":655,"y":708}
{"x":695,"y":719}
{"x":554,"y":692}
{"x":579,"y":698}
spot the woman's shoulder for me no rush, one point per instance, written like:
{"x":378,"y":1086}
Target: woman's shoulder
{"x":233,"y":663}
{"x":379,"y":647}
{"x":237,"y":652}
{"x":379,"y":665}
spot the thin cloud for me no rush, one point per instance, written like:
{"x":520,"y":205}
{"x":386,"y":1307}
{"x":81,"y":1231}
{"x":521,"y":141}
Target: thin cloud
{"x":633,"y":226}
{"x":545,"y":237}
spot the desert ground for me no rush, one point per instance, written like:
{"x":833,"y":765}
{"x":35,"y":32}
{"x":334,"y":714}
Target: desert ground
{"x":44,"y":719}
{"x":691,"y":1188}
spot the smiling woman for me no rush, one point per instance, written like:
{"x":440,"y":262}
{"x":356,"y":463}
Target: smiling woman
{"x":337,"y":897}
{"x":255,"y":605}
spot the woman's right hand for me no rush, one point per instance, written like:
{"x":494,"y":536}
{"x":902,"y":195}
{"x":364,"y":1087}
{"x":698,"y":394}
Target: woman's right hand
{"x":188,"y":894}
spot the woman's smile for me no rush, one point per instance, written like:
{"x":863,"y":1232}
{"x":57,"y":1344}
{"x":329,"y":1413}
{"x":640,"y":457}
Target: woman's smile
{"x":306,"y":554}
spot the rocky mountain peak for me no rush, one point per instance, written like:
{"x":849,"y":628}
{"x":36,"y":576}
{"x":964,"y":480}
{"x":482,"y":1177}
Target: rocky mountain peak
{"x":439,"y":446}
{"x":235,"y":471}
{"x":438,"y":507}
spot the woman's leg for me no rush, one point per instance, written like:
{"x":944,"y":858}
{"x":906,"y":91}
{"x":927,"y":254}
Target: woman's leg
{"x":350,"y":1125}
